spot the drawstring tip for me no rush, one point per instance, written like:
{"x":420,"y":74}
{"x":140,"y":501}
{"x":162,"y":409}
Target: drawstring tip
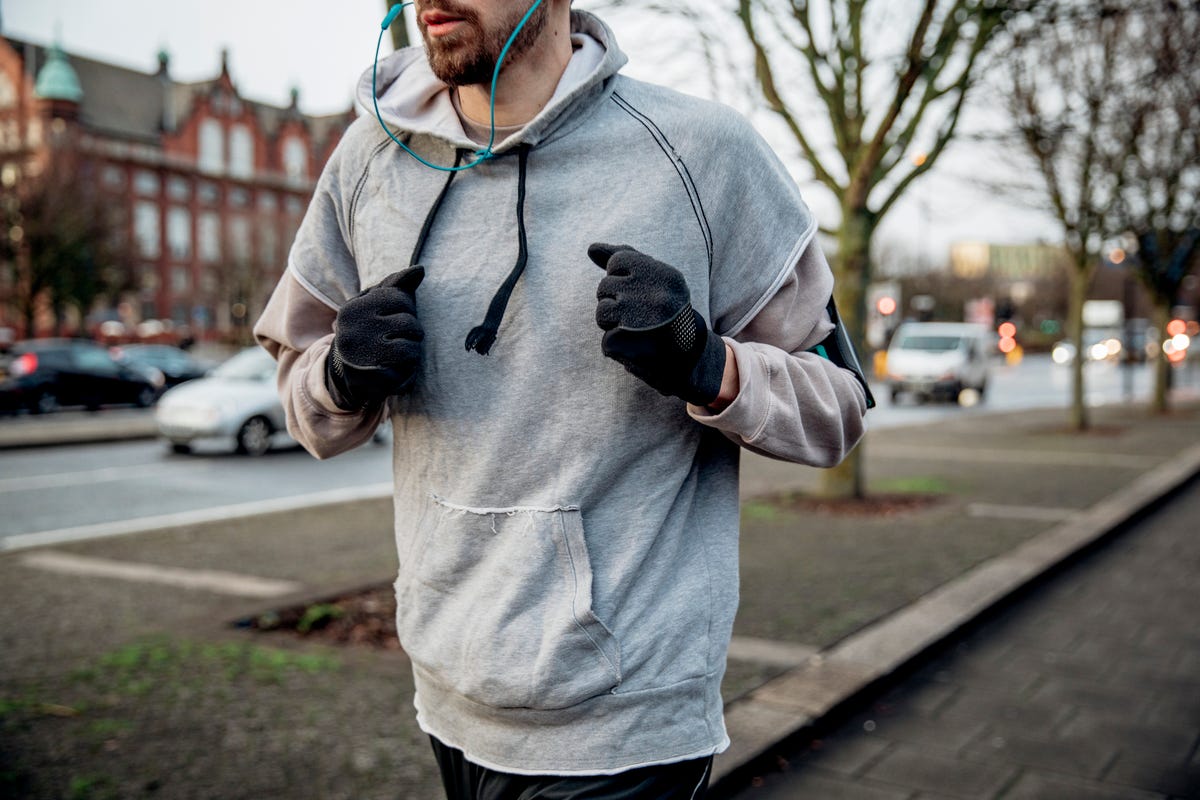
{"x":480,"y":339}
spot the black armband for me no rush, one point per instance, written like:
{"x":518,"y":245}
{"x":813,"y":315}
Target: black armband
{"x":838,"y":348}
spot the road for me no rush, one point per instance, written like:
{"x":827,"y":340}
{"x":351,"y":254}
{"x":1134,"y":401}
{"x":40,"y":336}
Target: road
{"x":70,"y":488}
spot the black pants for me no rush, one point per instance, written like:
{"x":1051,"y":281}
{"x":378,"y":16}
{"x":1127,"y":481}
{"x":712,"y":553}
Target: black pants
{"x":463,"y":780}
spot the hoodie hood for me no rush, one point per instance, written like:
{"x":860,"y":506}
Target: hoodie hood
{"x":413,"y":100}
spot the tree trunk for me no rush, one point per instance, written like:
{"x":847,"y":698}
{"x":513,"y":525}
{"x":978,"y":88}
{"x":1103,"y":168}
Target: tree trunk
{"x":1081,"y":278}
{"x":399,"y":28}
{"x":1162,"y":366}
{"x":852,"y":266}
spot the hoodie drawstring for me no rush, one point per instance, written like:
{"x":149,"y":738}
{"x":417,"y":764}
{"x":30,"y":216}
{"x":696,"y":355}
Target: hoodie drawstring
{"x":483,"y":336}
{"x":433,"y":210}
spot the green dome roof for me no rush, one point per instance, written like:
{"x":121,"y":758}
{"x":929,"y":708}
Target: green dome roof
{"x":57,"y":79}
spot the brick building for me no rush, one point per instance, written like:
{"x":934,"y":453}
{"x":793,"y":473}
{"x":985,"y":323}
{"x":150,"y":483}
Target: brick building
{"x":214,"y":185}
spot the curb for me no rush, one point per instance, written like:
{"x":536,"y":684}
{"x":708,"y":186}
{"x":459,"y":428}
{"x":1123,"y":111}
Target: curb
{"x":834,"y":678}
{"x":84,"y":431}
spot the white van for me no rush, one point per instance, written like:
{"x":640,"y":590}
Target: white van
{"x":935,"y":359}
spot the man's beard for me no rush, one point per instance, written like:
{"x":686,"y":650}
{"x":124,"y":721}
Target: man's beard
{"x":468,"y":56}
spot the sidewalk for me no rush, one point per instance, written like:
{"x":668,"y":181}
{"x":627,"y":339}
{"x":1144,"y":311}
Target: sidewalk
{"x":1088,"y":687}
{"x":134,"y":683}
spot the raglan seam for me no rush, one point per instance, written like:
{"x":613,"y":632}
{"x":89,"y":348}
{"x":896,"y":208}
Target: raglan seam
{"x":359,"y":187}
{"x":676,"y":160}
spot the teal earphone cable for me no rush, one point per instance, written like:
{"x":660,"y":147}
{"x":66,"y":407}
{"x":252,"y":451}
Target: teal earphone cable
{"x":485,"y":153}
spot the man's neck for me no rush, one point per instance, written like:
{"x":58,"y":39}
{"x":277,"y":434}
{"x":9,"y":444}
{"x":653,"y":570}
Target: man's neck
{"x":526,"y":85}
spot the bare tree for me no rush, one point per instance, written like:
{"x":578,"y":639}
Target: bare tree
{"x":872,"y":94}
{"x":1074,"y":86}
{"x":1159,"y":200}
{"x":64,"y":245}
{"x":399,"y":28}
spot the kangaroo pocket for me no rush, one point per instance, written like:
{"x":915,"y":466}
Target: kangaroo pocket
{"x":496,"y":603}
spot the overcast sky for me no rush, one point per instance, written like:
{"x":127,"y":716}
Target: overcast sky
{"x":322,"y":46}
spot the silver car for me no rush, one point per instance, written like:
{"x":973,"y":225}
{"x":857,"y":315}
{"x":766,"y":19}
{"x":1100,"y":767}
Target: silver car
{"x":237,"y":401}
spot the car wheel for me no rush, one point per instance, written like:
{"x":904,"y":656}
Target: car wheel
{"x":254,"y":437}
{"x":895,"y":395}
{"x":181,"y":448}
{"x":146,"y":397}
{"x":45,"y":403}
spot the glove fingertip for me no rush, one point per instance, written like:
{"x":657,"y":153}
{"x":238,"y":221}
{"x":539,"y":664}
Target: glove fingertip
{"x":600,"y":252}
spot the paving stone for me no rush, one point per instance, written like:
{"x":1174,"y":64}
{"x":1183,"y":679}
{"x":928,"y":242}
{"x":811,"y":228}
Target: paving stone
{"x":1083,"y":759}
{"x":846,"y":755}
{"x":1158,"y":774}
{"x":1084,"y":695}
{"x":1004,"y":715}
{"x":1043,"y":786}
{"x":822,"y":785}
{"x":1171,"y":741}
{"x":925,"y":699}
{"x":917,"y":768}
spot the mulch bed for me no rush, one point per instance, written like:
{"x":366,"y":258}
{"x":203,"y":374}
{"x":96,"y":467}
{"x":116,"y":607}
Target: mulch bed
{"x":366,"y":617}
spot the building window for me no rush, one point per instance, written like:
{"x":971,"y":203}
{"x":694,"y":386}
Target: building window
{"x":180,"y":281}
{"x":268,"y":245}
{"x":295,"y":159}
{"x":10,"y":136}
{"x":178,"y":188}
{"x":208,"y":193}
{"x":267,"y":201}
{"x":294,"y":205}
{"x":145,"y":228}
{"x":8,"y":92}
{"x":114,"y":177}
{"x":179,"y":233}
{"x":209,"y":236}
{"x":241,"y":152}
{"x":239,"y":198}
{"x":149,"y":279}
{"x":146,"y":183}
{"x":212,"y":146}
{"x":34,"y":132}
{"x":239,"y":239}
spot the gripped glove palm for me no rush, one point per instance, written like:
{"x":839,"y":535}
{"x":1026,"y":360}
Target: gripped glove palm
{"x":644,"y":308}
{"x":377,"y":342}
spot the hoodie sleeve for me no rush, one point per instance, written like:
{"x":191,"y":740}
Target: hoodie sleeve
{"x":769,"y":286}
{"x":297,"y":330}
{"x":296,"y":327}
{"x":792,"y":404}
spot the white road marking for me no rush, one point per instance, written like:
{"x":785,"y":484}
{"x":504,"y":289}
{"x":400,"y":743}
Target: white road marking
{"x":198,"y":516}
{"x":1039,"y":513}
{"x":60,"y":480}
{"x":1019,"y":456}
{"x":208,"y":580}
{"x":769,"y":651}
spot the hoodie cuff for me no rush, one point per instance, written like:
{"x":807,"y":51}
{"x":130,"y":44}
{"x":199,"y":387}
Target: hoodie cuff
{"x":745,"y":417}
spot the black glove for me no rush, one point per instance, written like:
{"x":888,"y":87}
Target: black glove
{"x":650,"y":327}
{"x":376,"y":343}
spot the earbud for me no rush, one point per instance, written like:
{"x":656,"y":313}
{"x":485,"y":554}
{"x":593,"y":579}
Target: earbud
{"x":391,"y":16}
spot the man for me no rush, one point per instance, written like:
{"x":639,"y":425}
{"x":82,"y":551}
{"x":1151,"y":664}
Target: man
{"x":566,"y":412}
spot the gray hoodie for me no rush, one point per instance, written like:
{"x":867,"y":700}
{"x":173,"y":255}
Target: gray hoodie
{"x":567,"y":536}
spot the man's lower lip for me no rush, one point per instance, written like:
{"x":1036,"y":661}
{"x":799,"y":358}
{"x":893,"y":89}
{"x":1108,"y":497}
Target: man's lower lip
{"x":442,"y":28}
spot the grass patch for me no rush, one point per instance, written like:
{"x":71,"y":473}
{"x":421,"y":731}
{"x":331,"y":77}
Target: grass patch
{"x":912,"y":484}
{"x":138,"y":668}
{"x":761,"y":510}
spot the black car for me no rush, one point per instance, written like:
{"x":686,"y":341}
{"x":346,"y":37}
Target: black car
{"x":175,"y":364}
{"x":46,"y":374}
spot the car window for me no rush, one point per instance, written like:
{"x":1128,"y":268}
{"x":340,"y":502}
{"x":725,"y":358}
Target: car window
{"x":58,"y":359}
{"x":929,"y":343}
{"x":97,"y":361}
